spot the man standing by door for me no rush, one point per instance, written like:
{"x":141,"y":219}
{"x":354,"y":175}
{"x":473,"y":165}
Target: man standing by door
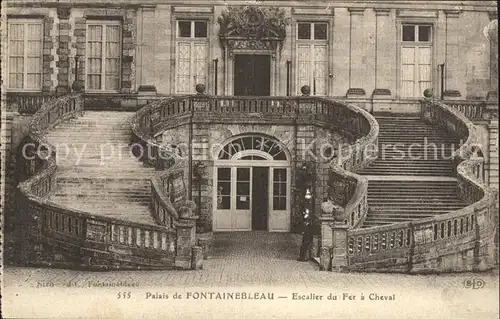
{"x":308,"y":228}
{"x":307,"y":237}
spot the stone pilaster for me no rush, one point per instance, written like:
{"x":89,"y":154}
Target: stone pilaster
{"x":385,"y":68}
{"x":63,"y":51}
{"x":356,"y":64}
{"x":339,"y":246}
{"x":186,"y":240}
{"x":48,"y":67}
{"x":493,"y":36}
{"x":325,"y":256}
{"x":340,"y":52}
{"x":454,"y":66}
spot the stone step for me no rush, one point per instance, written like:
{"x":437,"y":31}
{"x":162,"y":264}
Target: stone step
{"x":410,"y":173}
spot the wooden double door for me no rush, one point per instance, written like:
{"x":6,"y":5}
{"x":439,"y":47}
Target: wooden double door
{"x":252,"y":75}
{"x":252,"y":198}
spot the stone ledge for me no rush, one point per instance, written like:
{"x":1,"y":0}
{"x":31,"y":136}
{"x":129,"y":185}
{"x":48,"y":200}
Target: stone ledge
{"x":355,"y":92}
{"x":382,"y":92}
{"x":451,"y":94}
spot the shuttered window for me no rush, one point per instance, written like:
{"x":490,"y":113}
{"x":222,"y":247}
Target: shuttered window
{"x":312,"y":56}
{"x":191,"y":55}
{"x":416,"y":59}
{"x":103,"y":55}
{"x":25,"y":49}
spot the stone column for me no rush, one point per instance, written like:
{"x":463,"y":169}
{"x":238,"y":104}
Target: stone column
{"x":385,"y":68}
{"x":454,"y":76}
{"x":493,"y":36}
{"x":186,"y":240}
{"x":356,"y":52}
{"x":325,"y":256}
{"x":63,"y":51}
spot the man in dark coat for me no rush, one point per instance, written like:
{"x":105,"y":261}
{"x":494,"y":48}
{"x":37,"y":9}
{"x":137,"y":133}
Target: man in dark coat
{"x":307,"y":237}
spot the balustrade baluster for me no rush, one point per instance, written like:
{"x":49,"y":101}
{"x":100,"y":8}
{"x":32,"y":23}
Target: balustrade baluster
{"x":146,"y":239}
{"x":350,"y":246}
{"x":156,"y":242}
{"x":163,"y":241}
{"x":392,"y":242}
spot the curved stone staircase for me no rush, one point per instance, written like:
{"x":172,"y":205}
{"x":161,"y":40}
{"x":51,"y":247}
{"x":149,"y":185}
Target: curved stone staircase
{"x":416,"y":184}
{"x":97,"y":172}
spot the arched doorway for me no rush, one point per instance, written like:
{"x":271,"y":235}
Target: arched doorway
{"x":252,"y":185}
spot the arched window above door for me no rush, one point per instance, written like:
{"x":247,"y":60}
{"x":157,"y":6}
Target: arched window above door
{"x":253,"y":147}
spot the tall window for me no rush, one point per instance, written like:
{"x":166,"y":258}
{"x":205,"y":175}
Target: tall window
{"x":25,"y":54}
{"x":192,"y":55}
{"x":416,"y":53}
{"x":312,"y":56}
{"x":103,"y":55}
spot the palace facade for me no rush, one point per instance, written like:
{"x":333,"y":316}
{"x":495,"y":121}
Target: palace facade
{"x":248,"y":115}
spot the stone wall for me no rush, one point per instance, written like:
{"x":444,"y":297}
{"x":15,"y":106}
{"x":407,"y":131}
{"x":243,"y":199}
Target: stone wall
{"x":13,"y":132}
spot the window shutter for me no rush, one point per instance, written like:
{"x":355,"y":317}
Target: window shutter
{"x":320,"y":69}
{"x":94,"y":54}
{"x":112,"y":71}
{"x":183,"y":67}
{"x":303,"y":65}
{"x":200,"y":63}
{"x":407,"y":71}
{"x":33,"y":56}
{"x":424,"y":69}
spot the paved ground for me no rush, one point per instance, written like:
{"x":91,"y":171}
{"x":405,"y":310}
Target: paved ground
{"x":246,"y":262}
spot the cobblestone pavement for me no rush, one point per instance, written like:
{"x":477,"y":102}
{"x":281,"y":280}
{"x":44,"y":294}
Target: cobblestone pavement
{"x":261,"y":261}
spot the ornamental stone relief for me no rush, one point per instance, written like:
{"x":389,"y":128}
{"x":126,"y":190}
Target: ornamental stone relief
{"x":252,"y":28}
{"x":220,"y":133}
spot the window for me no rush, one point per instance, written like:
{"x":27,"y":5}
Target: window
{"x":224,"y":188}
{"x":25,"y":54}
{"x":246,"y":143}
{"x":192,"y":54}
{"x":192,"y":29}
{"x":243,"y":188}
{"x":312,"y":30}
{"x":416,"y":53}
{"x":103,"y":55}
{"x":312,"y":56}
{"x":279,"y":189}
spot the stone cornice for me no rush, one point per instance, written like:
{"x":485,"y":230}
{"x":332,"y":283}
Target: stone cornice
{"x":382,"y":11}
{"x":356,"y":11}
{"x":452,"y":13}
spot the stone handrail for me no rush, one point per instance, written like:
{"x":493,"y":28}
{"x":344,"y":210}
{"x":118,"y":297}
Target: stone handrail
{"x":460,"y":240}
{"x":95,"y":239}
{"x":475,"y":110}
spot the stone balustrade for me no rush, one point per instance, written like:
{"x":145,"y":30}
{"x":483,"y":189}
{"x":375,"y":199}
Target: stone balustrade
{"x":475,"y":110}
{"x":27,"y":102}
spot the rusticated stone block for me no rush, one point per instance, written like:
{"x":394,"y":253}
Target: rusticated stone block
{"x":64,"y":26}
{"x":79,"y":33}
